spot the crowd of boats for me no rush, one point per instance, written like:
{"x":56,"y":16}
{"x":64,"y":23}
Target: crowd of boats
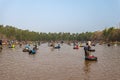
{"x":56,"y":45}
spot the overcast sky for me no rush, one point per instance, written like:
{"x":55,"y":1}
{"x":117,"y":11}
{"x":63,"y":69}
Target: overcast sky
{"x":60,"y":15}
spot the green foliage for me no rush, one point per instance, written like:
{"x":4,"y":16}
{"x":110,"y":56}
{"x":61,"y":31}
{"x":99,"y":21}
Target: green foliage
{"x":110,"y":34}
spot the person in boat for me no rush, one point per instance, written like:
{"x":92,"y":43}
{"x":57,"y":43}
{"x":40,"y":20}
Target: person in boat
{"x":33,"y":51}
{"x":9,"y":44}
{"x":108,"y":44}
{"x":80,"y":44}
{"x":53,"y":44}
{"x":20,"y":44}
{"x":88,"y":55}
{"x":28,"y":47}
{"x":58,"y":46}
{"x":35,"y":47}
{"x":13,"y":46}
{"x":0,"y":44}
{"x":76,"y":46}
{"x":87,"y":49}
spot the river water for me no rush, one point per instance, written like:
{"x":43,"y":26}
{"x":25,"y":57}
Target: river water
{"x":63,"y":64}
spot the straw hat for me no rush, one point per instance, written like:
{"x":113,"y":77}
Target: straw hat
{"x":89,"y":42}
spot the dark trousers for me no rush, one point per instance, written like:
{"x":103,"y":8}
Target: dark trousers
{"x":86,"y":53}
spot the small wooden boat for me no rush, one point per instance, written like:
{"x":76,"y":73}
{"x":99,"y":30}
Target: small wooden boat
{"x":91,"y":58}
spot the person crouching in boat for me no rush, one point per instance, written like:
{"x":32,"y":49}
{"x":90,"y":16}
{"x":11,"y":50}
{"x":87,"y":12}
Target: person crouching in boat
{"x":27,"y":48}
{"x":33,"y":51}
{"x":35,"y":47}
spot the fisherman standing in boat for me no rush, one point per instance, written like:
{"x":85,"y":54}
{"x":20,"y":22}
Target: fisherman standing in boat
{"x":88,"y":55}
{"x":87,"y":48}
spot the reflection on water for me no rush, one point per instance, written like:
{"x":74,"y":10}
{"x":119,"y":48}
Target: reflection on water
{"x":87,"y":66}
{"x":87,"y":69}
{"x":60,"y":64}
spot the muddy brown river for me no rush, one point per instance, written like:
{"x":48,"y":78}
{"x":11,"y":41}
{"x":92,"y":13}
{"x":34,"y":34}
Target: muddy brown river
{"x":63,"y":64}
